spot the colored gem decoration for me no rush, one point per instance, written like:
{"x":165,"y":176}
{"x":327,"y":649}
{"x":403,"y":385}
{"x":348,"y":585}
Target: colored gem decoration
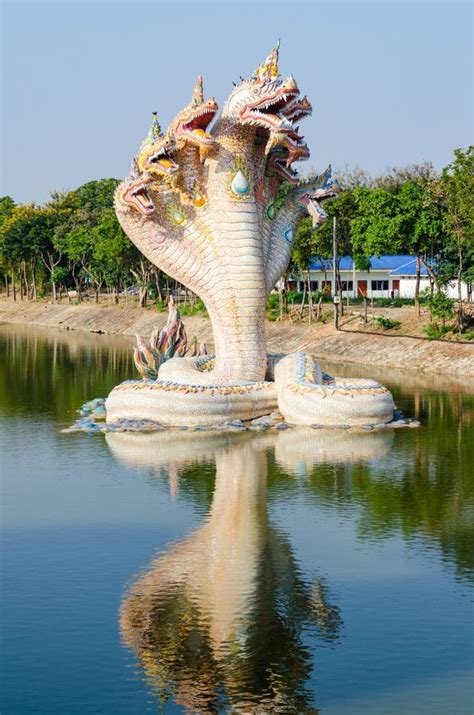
{"x":238,"y":180}
{"x":176,"y":215}
{"x":270,"y":211}
{"x":199,"y":199}
{"x":288,"y":235}
{"x":239,"y":184}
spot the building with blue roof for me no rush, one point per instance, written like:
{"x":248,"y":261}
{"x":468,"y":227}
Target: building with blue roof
{"x":388,"y":276}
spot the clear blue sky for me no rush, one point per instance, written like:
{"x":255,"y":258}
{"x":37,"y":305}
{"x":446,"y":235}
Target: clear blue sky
{"x":391,"y":82}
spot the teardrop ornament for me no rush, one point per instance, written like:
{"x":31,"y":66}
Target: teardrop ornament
{"x":178,"y":217}
{"x":199,"y":199}
{"x":240,"y":185}
{"x":288,"y":235}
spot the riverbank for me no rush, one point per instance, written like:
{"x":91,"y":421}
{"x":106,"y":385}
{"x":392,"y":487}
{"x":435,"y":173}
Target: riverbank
{"x":347,"y":345}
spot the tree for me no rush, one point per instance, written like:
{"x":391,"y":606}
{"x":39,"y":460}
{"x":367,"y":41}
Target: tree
{"x":457,"y":192}
{"x":7,"y":205}
{"x":26,"y":237}
{"x":344,"y":209}
{"x":421,"y":228}
{"x":113,"y":253}
{"x":87,"y":211}
{"x":376,"y":229}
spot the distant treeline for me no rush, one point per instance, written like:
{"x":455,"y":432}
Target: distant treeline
{"x":74,"y":240}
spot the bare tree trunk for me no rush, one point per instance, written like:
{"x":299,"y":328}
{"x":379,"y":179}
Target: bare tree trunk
{"x":33,"y":281}
{"x":7,"y":285}
{"x":318,"y":310}
{"x":13,"y":285}
{"x":303,"y":300}
{"x":53,"y":285}
{"x":431,"y":273}
{"x":339,"y":289}
{"x":310,"y":298}
{"x":417,"y":286}
{"x":142,"y":297}
{"x":25,"y":280}
{"x":460,"y":307}
{"x":159,"y":292}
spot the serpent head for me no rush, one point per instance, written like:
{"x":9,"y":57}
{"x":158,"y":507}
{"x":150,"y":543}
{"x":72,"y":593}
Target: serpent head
{"x":132,"y":193}
{"x":312,"y":193}
{"x":297,"y":109}
{"x":155,"y":154}
{"x":190,"y":124}
{"x":288,"y":145}
{"x":259,"y":101}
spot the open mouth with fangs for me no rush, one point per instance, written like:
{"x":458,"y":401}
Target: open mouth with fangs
{"x":160,"y":161}
{"x":297,"y":109}
{"x":137,"y":195}
{"x":278,"y":162}
{"x":313,"y":202}
{"x":289,"y":141}
{"x":196,"y":127}
{"x":265,"y":111}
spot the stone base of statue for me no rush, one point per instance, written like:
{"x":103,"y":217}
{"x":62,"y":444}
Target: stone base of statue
{"x":299,"y":390}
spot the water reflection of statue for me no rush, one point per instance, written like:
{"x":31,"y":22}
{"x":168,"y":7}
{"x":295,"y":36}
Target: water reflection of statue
{"x":217,"y":620}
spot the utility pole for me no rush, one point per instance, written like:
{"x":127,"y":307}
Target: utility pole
{"x":335,"y":296}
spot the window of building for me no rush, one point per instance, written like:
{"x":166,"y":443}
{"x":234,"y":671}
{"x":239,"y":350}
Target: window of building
{"x":379,"y":285}
{"x":347,"y":285}
{"x":314,"y":285}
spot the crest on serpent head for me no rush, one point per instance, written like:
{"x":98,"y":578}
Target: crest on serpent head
{"x":259,"y":101}
{"x":155,"y":156}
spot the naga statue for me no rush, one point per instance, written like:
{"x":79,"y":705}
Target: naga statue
{"x":203,"y":204}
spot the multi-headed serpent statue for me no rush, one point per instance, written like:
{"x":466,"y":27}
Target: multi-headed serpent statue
{"x":200,"y":204}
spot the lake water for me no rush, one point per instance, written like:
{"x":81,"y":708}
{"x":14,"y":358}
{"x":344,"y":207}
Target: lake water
{"x":303,"y":571}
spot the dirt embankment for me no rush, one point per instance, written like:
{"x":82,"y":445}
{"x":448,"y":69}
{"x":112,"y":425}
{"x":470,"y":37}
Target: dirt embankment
{"x":346,"y":345}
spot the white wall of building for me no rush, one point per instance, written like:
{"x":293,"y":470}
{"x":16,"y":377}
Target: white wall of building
{"x":407,"y":288}
{"x":379,"y":284}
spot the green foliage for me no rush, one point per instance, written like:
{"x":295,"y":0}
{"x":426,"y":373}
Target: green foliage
{"x":457,"y":186}
{"x":196,"y":308}
{"x":440,"y":306}
{"x":273,"y":307}
{"x":434,"y":331}
{"x":90,"y":197}
{"x":455,"y":192}
{"x":386,"y":323}
{"x":376,"y":229}
{"x":7,"y":205}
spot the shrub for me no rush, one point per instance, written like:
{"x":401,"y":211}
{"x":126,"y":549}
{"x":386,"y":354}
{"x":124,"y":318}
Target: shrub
{"x":387,"y":323}
{"x":440,"y":306}
{"x":434,"y":331}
